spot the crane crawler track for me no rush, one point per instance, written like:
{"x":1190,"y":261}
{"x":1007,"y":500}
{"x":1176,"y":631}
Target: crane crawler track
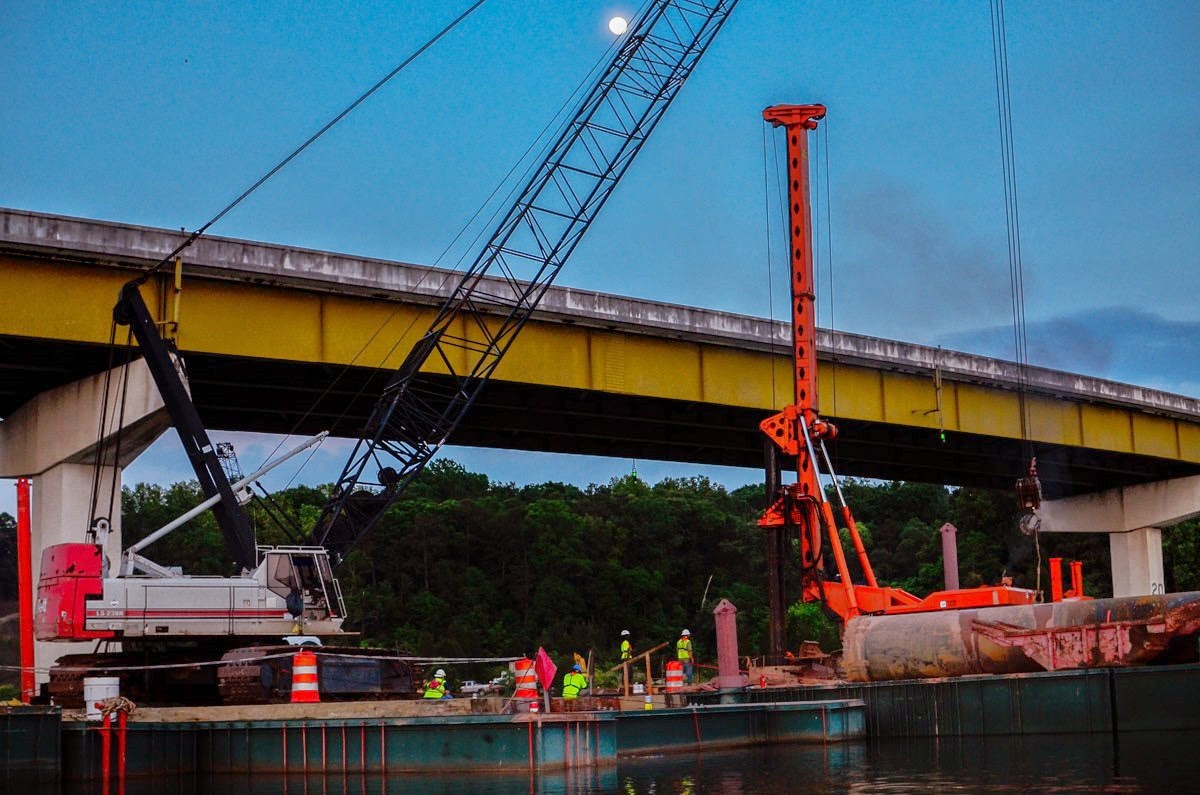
{"x":246,"y":675}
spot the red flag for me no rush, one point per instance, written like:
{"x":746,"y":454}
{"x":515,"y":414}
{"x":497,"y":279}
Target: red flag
{"x":545,"y":668}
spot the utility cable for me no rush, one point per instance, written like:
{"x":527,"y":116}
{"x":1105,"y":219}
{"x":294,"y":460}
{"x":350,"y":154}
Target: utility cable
{"x":311,"y":140}
{"x":556,"y":124}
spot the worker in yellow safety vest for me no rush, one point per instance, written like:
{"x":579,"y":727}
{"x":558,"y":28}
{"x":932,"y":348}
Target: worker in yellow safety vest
{"x":626,"y":646}
{"x":683,"y":653}
{"x":574,"y":682}
{"x":436,"y":687}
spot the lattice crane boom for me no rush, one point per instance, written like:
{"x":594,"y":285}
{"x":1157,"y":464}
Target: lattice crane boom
{"x":478,"y":322}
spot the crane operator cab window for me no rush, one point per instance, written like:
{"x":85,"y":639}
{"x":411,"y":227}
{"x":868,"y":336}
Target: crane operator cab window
{"x":303,"y":579}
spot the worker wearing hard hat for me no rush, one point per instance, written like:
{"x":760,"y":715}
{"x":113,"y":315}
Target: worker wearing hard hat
{"x":574,"y":682}
{"x":436,"y":687}
{"x":626,"y":646}
{"x":683,"y":653}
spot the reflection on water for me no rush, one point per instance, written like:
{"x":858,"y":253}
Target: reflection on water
{"x":1084,"y":763}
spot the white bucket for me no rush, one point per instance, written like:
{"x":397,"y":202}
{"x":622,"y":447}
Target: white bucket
{"x":98,"y":688}
{"x":638,"y":688}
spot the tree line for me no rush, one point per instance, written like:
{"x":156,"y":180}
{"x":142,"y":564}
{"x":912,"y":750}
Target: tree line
{"x":463,"y":566}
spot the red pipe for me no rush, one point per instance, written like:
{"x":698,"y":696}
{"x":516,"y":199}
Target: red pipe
{"x":122,"y":717}
{"x":105,"y":753}
{"x":25,"y":589}
{"x":1077,"y":577}
{"x":1056,"y":592}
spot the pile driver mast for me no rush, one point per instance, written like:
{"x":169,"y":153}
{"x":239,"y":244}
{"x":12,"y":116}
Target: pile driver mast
{"x":799,"y":433}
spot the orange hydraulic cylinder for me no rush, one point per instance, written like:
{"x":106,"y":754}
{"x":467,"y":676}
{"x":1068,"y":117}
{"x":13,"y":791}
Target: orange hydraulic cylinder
{"x":835,"y":544}
{"x":1077,"y":578}
{"x":863,"y":560}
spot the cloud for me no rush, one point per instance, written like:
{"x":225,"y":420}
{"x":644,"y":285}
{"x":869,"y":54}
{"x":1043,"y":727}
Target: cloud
{"x":1121,"y":343}
{"x":911,"y":260}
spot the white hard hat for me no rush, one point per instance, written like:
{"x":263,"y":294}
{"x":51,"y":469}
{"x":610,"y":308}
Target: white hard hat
{"x":624,"y":632}
{"x":439,"y":672}
{"x":685,"y":632}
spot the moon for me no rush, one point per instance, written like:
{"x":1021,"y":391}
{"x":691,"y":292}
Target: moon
{"x":618,"y":25}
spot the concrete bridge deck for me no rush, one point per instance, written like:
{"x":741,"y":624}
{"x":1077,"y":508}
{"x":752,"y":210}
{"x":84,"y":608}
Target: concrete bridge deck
{"x":281,"y":339}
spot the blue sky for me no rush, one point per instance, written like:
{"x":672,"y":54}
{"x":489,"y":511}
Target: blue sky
{"x":160,"y":113}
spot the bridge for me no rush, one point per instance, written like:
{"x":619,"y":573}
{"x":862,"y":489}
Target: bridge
{"x":280,"y":339}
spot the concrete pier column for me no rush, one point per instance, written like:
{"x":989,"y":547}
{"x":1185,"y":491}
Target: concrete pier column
{"x":949,"y":535}
{"x":52,"y":440}
{"x":1137,"y":562}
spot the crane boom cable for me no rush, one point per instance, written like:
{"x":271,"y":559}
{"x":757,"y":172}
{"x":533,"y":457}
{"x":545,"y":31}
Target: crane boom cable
{"x":559,"y":119}
{"x":483,"y":316}
{"x":194,"y":236}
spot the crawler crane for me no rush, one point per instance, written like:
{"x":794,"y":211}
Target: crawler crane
{"x":224,"y":635}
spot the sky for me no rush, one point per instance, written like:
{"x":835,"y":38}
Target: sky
{"x":161,"y":113}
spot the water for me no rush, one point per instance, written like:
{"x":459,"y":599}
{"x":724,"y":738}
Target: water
{"x":1166,"y":762}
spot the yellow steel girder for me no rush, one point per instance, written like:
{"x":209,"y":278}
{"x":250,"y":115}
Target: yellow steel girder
{"x":73,"y":302}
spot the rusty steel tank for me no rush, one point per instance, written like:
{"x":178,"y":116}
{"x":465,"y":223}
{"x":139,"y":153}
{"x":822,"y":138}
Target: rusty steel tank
{"x":1084,"y":633}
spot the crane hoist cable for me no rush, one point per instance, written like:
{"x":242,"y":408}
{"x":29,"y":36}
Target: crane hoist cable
{"x":1029,"y":488}
{"x":823,"y":134}
{"x":1011,"y":212}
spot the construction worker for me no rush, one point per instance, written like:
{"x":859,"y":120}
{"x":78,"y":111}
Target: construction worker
{"x":436,"y":687}
{"x":626,"y":646}
{"x":683,"y":653}
{"x":574,"y":682}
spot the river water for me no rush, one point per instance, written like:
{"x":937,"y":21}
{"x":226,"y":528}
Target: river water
{"x":1167,"y":762}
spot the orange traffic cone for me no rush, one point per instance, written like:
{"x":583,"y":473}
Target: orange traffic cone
{"x":526,"y":680}
{"x":304,"y":678}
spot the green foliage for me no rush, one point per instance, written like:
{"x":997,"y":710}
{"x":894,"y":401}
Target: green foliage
{"x":198,"y":546}
{"x":808,"y":621}
{"x":8,"y":557}
{"x":463,"y":566}
{"x":1181,"y":556}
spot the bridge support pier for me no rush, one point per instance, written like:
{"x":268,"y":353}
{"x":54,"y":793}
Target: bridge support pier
{"x":1132,"y":516}
{"x":52,"y":440}
{"x":1137,"y":562}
